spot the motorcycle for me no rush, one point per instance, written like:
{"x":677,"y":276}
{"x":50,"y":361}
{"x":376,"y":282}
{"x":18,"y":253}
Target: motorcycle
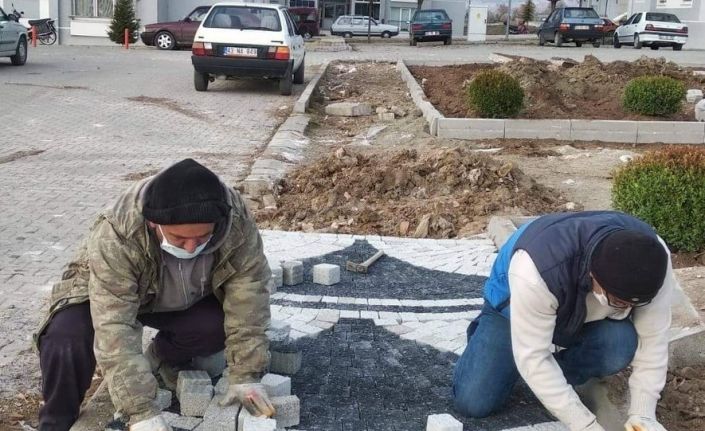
{"x":46,"y":32}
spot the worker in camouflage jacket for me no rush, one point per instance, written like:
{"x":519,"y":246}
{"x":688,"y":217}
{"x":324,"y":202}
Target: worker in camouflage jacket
{"x":178,"y":252}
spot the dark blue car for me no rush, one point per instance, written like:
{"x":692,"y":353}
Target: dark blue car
{"x":572,"y":24}
{"x":429,"y":25}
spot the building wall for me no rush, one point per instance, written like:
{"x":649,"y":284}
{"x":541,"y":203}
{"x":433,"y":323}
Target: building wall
{"x":456,"y":10}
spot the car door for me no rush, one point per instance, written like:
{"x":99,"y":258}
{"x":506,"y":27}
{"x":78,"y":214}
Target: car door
{"x":636,"y":24}
{"x":356,"y":26}
{"x":543,"y":30}
{"x":296,"y":40}
{"x":374,"y":28}
{"x":624,"y":32}
{"x":4,"y":32}
{"x":190,"y":24}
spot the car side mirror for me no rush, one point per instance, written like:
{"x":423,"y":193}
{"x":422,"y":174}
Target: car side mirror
{"x":187,"y":19}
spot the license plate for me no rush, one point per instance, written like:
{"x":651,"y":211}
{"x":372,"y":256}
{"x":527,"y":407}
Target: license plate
{"x":666,"y":37}
{"x":582,"y":27}
{"x":236,"y":51}
{"x":431,"y":33}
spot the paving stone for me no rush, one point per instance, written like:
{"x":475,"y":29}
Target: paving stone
{"x":293,"y":272}
{"x":276,"y":385}
{"x":195,"y":400}
{"x":191,"y":378}
{"x":348,"y":109}
{"x":277,"y":275}
{"x":164,"y":397}
{"x":252,"y":423}
{"x":285,"y":360}
{"x":217,"y":418}
{"x":278,"y":331}
{"x":212,"y":364}
{"x":326,"y":274}
{"x":694,"y":95}
{"x":443,"y":422}
{"x":288,"y":410}
{"x":187,"y":423}
{"x":700,"y":111}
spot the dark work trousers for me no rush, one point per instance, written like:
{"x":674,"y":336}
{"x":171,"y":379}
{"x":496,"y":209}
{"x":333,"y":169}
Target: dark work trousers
{"x":67,"y":360}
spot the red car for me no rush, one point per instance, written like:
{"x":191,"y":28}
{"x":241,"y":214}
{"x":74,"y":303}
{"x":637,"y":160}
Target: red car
{"x":169,"y":35}
{"x":306,"y":18}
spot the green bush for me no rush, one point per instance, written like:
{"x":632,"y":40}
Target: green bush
{"x":494,"y":94}
{"x":666,"y":189}
{"x":653,"y":95}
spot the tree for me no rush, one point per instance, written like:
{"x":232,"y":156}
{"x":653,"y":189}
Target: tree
{"x":528,"y":12}
{"x":502,"y":13}
{"x":419,"y":2}
{"x":123,"y":18}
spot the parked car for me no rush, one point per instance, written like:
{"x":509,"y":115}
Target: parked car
{"x":13,"y":39}
{"x":169,"y":35}
{"x":608,"y":26}
{"x":652,"y":29}
{"x":572,"y":24}
{"x":248,"y":40}
{"x":355,"y":25}
{"x":306,"y":18}
{"x":430,"y":25}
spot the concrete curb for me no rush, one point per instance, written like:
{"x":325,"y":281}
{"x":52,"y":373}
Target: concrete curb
{"x":687,"y":333}
{"x":430,"y":113}
{"x":304,"y":100}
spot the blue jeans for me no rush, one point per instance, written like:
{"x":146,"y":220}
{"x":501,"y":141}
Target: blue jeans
{"x":486,"y":373}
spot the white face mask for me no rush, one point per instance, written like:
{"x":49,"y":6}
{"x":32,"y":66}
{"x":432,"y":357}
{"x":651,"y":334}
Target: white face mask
{"x":602,"y":299}
{"x":179,"y":252}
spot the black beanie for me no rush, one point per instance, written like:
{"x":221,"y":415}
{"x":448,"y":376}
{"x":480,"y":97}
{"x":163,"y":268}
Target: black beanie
{"x":186,"y":192}
{"x":630,"y":265}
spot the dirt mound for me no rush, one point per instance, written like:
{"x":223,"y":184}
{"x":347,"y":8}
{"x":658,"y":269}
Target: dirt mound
{"x":561,"y":88}
{"x":440,"y":193}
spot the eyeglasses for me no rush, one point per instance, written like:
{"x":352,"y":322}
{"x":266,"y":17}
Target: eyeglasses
{"x":620,"y":303}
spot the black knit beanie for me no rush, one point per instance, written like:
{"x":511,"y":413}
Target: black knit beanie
{"x":186,"y":192}
{"x":630,"y":265}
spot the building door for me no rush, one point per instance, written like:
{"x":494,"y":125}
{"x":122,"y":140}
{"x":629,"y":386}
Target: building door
{"x":331,"y":11}
{"x":405,"y":15}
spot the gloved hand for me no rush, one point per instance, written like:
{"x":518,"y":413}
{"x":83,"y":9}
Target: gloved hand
{"x":640,"y":423}
{"x":155,"y":423}
{"x":252,"y":396}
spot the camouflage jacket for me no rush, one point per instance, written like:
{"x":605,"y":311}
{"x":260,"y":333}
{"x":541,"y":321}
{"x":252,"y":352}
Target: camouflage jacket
{"x":117,"y":269}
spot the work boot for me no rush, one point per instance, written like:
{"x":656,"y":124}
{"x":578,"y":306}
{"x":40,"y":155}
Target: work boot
{"x":168,"y":373}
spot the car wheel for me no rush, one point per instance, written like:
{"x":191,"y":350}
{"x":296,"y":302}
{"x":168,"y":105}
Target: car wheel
{"x":285,"y":85}
{"x":20,"y":56}
{"x":654,"y":47}
{"x":542,"y":40}
{"x":386,"y":35}
{"x":615,"y":42}
{"x":347,"y":35}
{"x":677,"y":47}
{"x":299,"y":75}
{"x":448,"y":41}
{"x":637,"y":42}
{"x":578,"y":44}
{"x":596,"y":43}
{"x":558,"y":40}
{"x":200,"y":81}
{"x":164,"y":41}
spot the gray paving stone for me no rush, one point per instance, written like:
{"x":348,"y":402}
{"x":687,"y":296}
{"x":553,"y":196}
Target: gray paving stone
{"x":288,"y":410}
{"x":195,"y":400}
{"x":348,"y":109}
{"x":191,"y":378}
{"x":293,"y":272}
{"x":277,"y":276}
{"x":217,"y":418}
{"x":252,"y":423}
{"x":183,"y":422}
{"x":443,"y":422}
{"x":276,"y":385}
{"x":285,"y":361}
{"x":278,"y":331}
{"x":164,"y":398}
{"x":326,"y":274}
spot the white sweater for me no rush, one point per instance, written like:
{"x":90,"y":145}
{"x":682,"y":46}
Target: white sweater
{"x":533,"y":319}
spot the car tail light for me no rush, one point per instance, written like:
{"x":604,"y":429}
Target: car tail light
{"x":446,"y":26}
{"x":202,"y":48}
{"x":564,"y":27}
{"x":684,"y":30}
{"x":599,"y":27}
{"x":278,"y":52}
{"x":416,"y":27}
{"x":650,"y":27}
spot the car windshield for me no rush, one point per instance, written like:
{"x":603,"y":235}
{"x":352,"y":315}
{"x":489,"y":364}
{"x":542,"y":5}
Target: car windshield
{"x":244,"y":17}
{"x":580,"y":13}
{"x":431,"y":15}
{"x":198,"y":14}
{"x":662,"y":17}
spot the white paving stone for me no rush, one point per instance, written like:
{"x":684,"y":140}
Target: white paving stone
{"x":443,"y":422}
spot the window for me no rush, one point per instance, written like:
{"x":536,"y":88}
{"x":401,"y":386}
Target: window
{"x":93,"y":8}
{"x":662,"y":17}
{"x":431,"y":16}
{"x":637,"y":19}
{"x":630,"y":20}
{"x":302,"y":3}
{"x":357,"y":21}
{"x":243,"y":17}
{"x":289,"y":23}
{"x":581,"y":13}
{"x":3,"y":17}
{"x":344,"y":21}
{"x":198,"y":14}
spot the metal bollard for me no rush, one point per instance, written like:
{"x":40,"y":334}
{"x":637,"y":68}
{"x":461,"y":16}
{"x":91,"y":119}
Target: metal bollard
{"x":34,"y":36}
{"x":127,"y":38}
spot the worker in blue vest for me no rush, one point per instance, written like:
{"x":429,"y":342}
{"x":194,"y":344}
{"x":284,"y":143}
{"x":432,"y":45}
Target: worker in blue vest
{"x":571,"y":297}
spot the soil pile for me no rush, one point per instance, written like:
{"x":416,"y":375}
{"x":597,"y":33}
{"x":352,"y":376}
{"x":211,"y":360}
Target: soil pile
{"x":560,"y":88}
{"x":441,"y":193}
{"x":682,"y":405}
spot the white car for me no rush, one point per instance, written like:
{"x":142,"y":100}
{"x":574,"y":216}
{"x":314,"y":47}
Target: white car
{"x":652,"y":29}
{"x":13,"y":39}
{"x":248,"y":40}
{"x":349,"y":26}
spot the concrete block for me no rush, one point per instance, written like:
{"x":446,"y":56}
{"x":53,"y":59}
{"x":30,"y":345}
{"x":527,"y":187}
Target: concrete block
{"x":694,"y":96}
{"x":687,"y":333}
{"x":194,"y":400}
{"x":349,"y":109}
{"x":326,"y":274}
{"x":670,"y":132}
{"x":212,"y":364}
{"x":288,"y":410}
{"x":537,"y":129}
{"x":278,"y":331}
{"x":277,"y":275}
{"x":386,"y":116}
{"x":293,"y":272}
{"x":191,"y":378}
{"x":256,"y":186}
{"x":285,"y":360}
{"x":470,"y":128}
{"x":500,"y":229}
{"x":163,"y":400}
{"x":252,"y":423}
{"x":182,"y":422}
{"x":604,"y":130}
{"x":276,"y":385}
{"x":217,"y":418}
{"x":444,"y":422}
{"x":700,"y":111}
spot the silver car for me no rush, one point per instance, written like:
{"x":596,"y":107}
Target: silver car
{"x":13,"y":39}
{"x":355,"y":25}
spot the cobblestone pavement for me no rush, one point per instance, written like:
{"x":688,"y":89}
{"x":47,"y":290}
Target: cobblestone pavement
{"x":76,"y":121}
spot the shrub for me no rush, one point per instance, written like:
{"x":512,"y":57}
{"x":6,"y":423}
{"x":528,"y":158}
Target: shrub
{"x":653,"y":95}
{"x":666,"y":189}
{"x":495,"y":94}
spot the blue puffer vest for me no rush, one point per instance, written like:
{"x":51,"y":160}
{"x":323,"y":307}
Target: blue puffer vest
{"x":560,"y":246}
